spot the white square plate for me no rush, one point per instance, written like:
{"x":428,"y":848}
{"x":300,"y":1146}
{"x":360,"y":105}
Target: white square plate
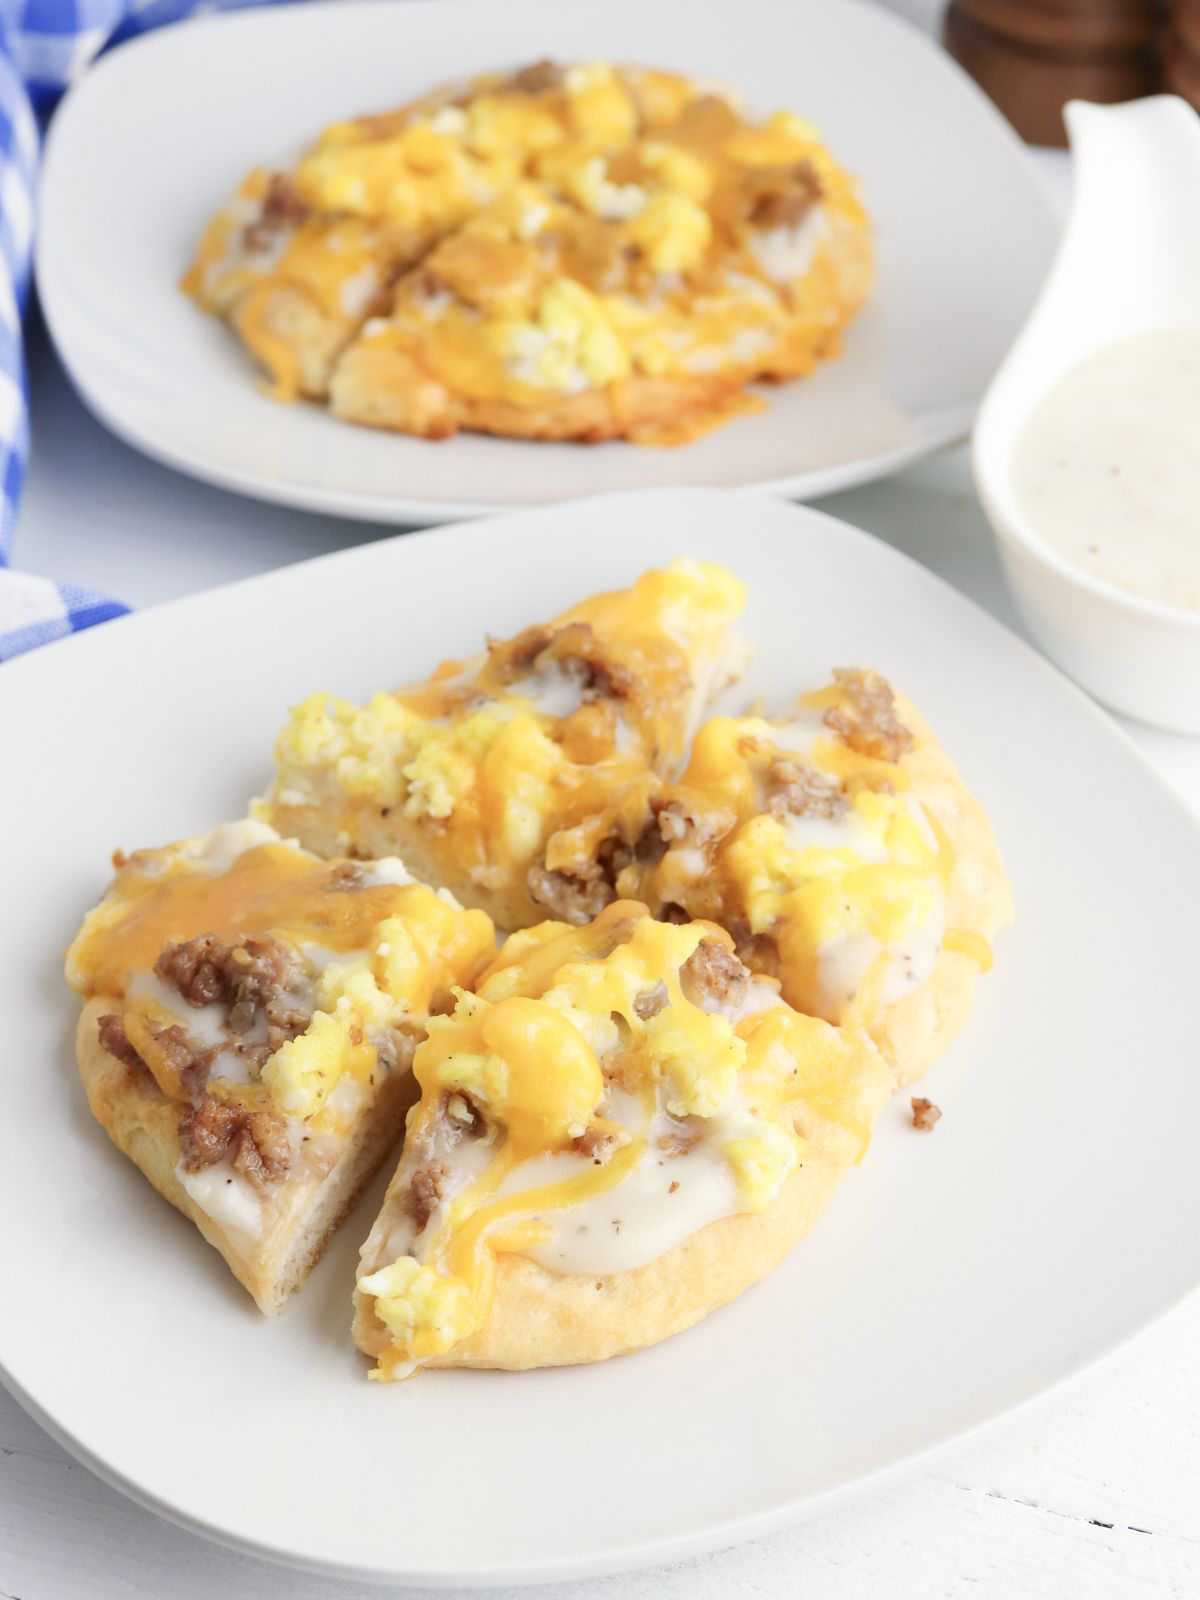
{"x":1055,"y":1212}
{"x":157,"y":135}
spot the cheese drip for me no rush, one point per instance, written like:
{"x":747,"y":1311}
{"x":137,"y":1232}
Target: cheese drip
{"x":604,"y":1083}
{"x":367,"y":948}
{"x":536,"y":752}
{"x":817,"y":845}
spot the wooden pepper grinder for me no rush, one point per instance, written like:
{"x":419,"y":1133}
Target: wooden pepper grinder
{"x":1031,"y":56}
{"x":1181,"y":51}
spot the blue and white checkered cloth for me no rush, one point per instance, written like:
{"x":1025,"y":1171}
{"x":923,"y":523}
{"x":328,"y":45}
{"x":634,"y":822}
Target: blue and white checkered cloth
{"x":44,"y":46}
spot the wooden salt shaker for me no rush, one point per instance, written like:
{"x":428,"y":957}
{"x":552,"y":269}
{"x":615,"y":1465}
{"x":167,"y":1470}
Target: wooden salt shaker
{"x":1031,"y":56}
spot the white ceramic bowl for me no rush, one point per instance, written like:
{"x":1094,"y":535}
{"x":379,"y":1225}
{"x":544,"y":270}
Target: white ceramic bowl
{"x":1129,"y":261}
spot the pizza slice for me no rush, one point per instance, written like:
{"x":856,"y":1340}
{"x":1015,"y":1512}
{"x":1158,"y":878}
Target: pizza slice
{"x":846,"y":857}
{"x":521,"y":779}
{"x":303,"y":254}
{"x":620,"y":1130}
{"x":249,"y":1022}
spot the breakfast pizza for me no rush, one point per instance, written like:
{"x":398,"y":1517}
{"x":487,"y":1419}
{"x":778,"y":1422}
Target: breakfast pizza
{"x":735,"y":938}
{"x":584,"y":252}
{"x":619,"y":1130}
{"x":520,"y":779}
{"x":250,"y":1019}
{"x":842,"y":850}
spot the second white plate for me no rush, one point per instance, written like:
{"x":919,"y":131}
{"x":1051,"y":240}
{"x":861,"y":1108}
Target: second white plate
{"x":1055,"y":1211}
{"x":137,"y":160}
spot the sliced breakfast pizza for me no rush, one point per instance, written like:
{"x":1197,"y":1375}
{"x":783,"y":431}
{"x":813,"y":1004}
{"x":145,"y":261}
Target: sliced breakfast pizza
{"x":521,"y":779}
{"x":619,"y":1130}
{"x":562,"y":252}
{"x":842,"y":851}
{"x":251,"y":1014}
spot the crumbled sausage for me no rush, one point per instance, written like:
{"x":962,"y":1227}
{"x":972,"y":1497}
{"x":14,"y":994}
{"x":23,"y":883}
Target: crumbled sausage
{"x":346,"y":875}
{"x":925,"y":1115}
{"x":871,"y":728}
{"x":251,"y":974}
{"x":536,"y":78}
{"x":425,"y":1191}
{"x":510,"y":658}
{"x":596,"y":1144}
{"x":794,"y":789}
{"x":255,"y":1141}
{"x":572,"y":899}
{"x":713,"y":974}
{"x":757,"y":950}
{"x":574,"y":648}
{"x":195,"y":968}
{"x":677,"y":1144}
{"x":283,"y":206}
{"x":650,"y":845}
{"x":395,"y":1047}
{"x":114,"y":1040}
{"x":650,"y":1002}
{"x":191,"y":1062}
{"x":283,"y":203}
{"x":679,"y":824}
{"x":780,"y":196}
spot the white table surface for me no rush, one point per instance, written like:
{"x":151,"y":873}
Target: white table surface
{"x":1096,"y":1493}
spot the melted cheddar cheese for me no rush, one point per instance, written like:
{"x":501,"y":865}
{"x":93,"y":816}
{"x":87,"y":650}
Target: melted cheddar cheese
{"x":367,"y":949}
{"x":816,"y":847}
{"x":557,"y":1089}
{"x":531,"y":756}
{"x":579,"y":232}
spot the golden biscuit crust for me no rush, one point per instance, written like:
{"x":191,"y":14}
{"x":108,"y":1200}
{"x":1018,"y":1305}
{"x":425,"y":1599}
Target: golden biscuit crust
{"x":144,"y":1123}
{"x":548,"y":1319}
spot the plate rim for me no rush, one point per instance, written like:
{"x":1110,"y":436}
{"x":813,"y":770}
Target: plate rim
{"x":691,"y":1542}
{"x":942,"y":426}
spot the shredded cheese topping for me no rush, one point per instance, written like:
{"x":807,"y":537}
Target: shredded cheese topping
{"x":582,"y":1052}
{"x":541,"y":748}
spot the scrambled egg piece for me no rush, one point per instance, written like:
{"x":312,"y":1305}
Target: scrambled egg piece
{"x":829,"y":894}
{"x":761,"y":1160}
{"x":426,"y":1312}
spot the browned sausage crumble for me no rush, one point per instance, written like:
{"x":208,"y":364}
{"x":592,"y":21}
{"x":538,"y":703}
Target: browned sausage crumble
{"x":252,"y":975}
{"x":715,"y":974}
{"x":780,"y":196}
{"x":925,"y":1115}
{"x":871,"y":728}
{"x":596,"y":1144}
{"x":536,"y":78}
{"x":256,"y":1141}
{"x":794,"y":789}
{"x":650,"y":1002}
{"x":425,"y":1191}
{"x":283,"y":207}
{"x":113,"y":1039}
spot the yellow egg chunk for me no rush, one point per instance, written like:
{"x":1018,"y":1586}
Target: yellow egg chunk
{"x":580,"y":252}
{"x":608,"y":1097}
